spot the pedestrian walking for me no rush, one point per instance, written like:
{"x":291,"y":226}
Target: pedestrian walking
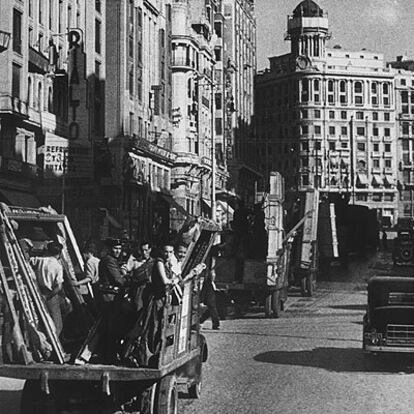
{"x":208,"y":297}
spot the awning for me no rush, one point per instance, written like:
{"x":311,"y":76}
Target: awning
{"x":20,"y":198}
{"x":362,"y":179}
{"x":377,"y":180}
{"x":389,"y":180}
{"x":173,"y":204}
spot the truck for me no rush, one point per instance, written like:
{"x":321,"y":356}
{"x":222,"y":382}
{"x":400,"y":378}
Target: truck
{"x":55,"y":381}
{"x":254,"y":263}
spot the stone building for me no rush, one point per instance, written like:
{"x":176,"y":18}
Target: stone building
{"x":138,"y":116}
{"x":326,"y":117}
{"x":49,"y":117}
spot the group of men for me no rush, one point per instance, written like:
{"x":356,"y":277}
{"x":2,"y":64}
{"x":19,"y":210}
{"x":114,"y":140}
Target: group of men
{"x":108,"y":275}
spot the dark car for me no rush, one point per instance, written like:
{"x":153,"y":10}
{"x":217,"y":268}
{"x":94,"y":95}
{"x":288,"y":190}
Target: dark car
{"x":388,"y":324}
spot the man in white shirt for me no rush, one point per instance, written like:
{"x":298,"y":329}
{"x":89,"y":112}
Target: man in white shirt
{"x":49,"y":276}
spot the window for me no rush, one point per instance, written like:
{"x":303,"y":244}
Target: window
{"x":403,"y":82}
{"x":359,"y":115}
{"x":218,"y":97}
{"x":344,"y":145}
{"x":50,"y":100}
{"x":376,"y":163}
{"x":386,"y":116}
{"x":39,"y":96}
{"x":97,"y":36}
{"x":405,"y":128}
{"x":98,"y":5}
{"x":219,"y":126}
{"x":358,"y":87}
{"x":304,"y":113}
{"x":16,"y":73}
{"x":331,"y":130}
{"x":330,"y":86}
{"x":317,"y":113}
{"x":305,"y":179}
{"x":316,"y":85}
{"x":360,"y":131}
{"x":343,"y":114}
{"x":358,"y":99}
{"x":331,"y":114}
{"x":17,"y":31}
{"x":317,"y":145}
{"x":375,"y":131}
{"x":305,"y":146}
{"x":305,"y":129}
{"x":344,"y":131}
{"x":374,"y":88}
{"x":387,"y":147}
{"x":317,"y":130}
{"x":375,"y":116}
{"x":361,"y":146}
{"x":387,"y":132}
{"x":342,"y":86}
{"x":388,"y":163}
{"x":404,"y":97}
{"x":330,"y":99}
{"x":332,"y":146}
{"x":376,"y":147}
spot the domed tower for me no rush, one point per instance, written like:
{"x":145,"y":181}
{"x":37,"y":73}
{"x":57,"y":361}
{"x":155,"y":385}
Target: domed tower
{"x":308,"y":30}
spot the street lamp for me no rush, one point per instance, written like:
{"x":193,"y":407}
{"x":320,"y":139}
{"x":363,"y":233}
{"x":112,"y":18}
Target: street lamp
{"x":4,"y":40}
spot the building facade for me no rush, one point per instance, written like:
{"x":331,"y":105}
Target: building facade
{"x":193,"y":40}
{"x":326,"y":117}
{"x":49,"y":116}
{"x":138,"y":116}
{"x":239,"y":69}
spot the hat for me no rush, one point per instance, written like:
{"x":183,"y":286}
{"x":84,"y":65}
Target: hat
{"x":111,"y":242}
{"x":54,"y":248}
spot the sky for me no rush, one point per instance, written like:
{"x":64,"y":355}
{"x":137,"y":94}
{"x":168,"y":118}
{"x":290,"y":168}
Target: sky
{"x":383,"y":26}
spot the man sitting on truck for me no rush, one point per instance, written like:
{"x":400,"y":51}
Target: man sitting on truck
{"x":49,"y":276}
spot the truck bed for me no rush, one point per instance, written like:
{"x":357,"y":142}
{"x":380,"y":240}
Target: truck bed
{"x":92,"y":372}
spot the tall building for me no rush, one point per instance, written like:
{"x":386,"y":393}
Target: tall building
{"x":404,"y":120}
{"x":326,"y":117}
{"x":239,"y":62}
{"x":138,"y":118}
{"x":193,"y":108}
{"x":49,"y":115}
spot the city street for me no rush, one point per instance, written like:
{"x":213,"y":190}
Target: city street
{"x":308,"y":361}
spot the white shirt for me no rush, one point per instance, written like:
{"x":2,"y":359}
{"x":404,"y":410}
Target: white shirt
{"x":92,"y":269}
{"x":49,"y":272}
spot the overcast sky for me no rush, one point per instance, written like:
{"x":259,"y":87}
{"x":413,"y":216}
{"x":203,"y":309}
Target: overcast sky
{"x":385,"y":26}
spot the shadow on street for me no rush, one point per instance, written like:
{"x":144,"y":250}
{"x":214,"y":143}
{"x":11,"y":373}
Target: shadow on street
{"x":340,"y":360}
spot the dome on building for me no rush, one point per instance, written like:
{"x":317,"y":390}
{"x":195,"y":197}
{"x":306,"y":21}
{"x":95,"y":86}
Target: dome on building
{"x":308,"y":8}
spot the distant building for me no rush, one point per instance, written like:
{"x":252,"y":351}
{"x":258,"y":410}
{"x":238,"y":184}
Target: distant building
{"x":404,"y":123}
{"x":325,"y":118}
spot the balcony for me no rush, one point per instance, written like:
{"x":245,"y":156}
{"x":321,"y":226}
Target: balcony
{"x":182,"y":63}
{"x":37,"y":62}
{"x":18,"y":168}
{"x":12,"y":104}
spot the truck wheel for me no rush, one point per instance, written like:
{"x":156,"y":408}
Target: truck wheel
{"x":167,"y":396}
{"x":34,"y":401}
{"x":148,"y":400}
{"x":276,"y":303}
{"x":268,"y":305}
{"x":310,"y":284}
{"x":194,"y":391}
{"x":303,"y":287}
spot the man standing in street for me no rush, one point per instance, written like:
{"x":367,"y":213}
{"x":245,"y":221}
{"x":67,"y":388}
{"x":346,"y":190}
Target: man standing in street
{"x":49,"y":276}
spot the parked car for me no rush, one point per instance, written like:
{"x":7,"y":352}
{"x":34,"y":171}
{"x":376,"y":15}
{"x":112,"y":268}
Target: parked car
{"x":388,"y":325}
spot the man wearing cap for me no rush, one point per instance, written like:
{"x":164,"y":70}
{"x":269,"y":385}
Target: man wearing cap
{"x":49,"y":276}
{"x":111,"y":275}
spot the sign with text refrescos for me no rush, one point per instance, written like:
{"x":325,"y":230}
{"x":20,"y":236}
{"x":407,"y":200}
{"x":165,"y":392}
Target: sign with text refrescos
{"x":62,"y":155}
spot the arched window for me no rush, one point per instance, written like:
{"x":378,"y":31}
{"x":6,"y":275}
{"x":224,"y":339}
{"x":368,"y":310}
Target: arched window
{"x":374,"y":87}
{"x":29,"y":91}
{"x":330,"y":86}
{"x":358,"y":87}
{"x":385,"y":88}
{"x":39,"y":96}
{"x":50,"y":100}
{"x":316,"y":85}
{"x":342,"y":86}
